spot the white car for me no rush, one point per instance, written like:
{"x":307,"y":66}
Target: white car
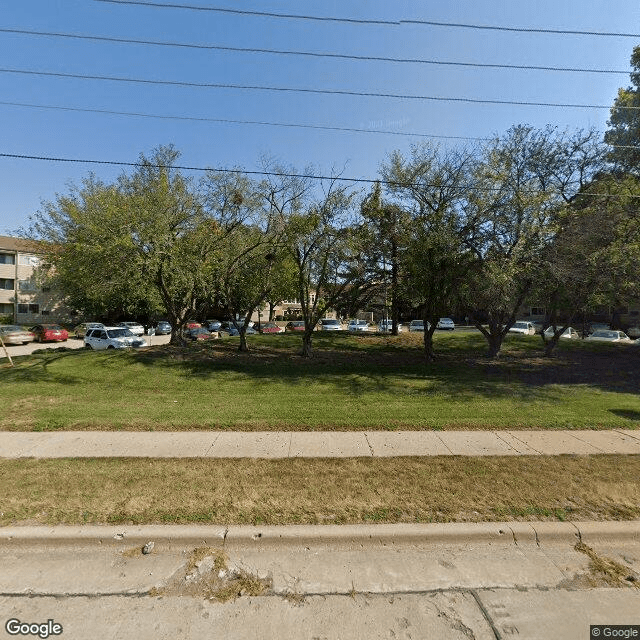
{"x":134,"y":327}
{"x":609,"y":335}
{"x":112,"y":338}
{"x":416,"y":325}
{"x":330,"y":324}
{"x":634,"y":332}
{"x":358,"y":325}
{"x":569,"y":333}
{"x":385,"y":326}
{"x":523,"y":327}
{"x":446,"y":323}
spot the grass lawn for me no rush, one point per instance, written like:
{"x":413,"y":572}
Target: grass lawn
{"x":354,"y":382}
{"x":319,"y":491}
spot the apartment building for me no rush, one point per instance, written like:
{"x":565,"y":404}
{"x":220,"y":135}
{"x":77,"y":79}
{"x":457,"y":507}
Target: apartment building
{"x":24,"y":298}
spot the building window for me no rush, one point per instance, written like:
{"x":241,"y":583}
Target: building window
{"x":29,"y":309}
{"x":26,"y":285}
{"x":537,"y":311}
{"x":28,"y":260}
{"x":7,"y":283}
{"x":6,"y":309}
{"x":7,"y":258}
{"x":45,"y":312}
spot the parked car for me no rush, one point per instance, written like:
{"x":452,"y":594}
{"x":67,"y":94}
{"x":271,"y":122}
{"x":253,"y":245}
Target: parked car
{"x":13,"y":334}
{"x":609,"y":335}
{"x":233,"y":331}
{"x":80,"y":330}
{"x":598,"y":326}
{"x":416,"y":325}
{"x":523,"y":327}
{"x":212,"y":325}
{"x":446,"y":324}
{"x":198,"y":333}
{"x":385,"y":326}
{"x":227,"y":327}
{"x":112,"y":338}
{"x":192,"y":325}
{"x":49,"y":333}
{"x":330,"y":324}
{"x":295,"y":325}
{"x":569,"y":333}
{"x":633,"y":332}
{"x":162,"y":328}
{"x":271,"y":327}
{"x":358,"y":325}
{"x":135,"y":328}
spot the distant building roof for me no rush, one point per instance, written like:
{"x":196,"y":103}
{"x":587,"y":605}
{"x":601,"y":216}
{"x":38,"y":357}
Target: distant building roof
{"x":9,"y":243}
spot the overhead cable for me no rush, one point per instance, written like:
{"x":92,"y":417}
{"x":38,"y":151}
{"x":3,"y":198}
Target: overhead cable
{"x":313,"y":54}
{"x":295,"y":125}
{"x":342,"y":92}
{"x":310,"y":176}
{"x":430,"y":23}
{"x":232,"y":121}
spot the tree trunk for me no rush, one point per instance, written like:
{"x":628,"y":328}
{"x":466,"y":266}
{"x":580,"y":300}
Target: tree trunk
{"x":272,"y":308}
{"x":495,"y":344}
{"x":429,"y":354}
{"x":307,"y":347}
{"x":243,"y":341}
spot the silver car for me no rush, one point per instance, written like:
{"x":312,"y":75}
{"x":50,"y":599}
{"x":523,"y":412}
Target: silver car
{"x":330,"y":324}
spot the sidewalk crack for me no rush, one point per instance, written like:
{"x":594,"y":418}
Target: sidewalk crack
{"x":445,"y":444}
{"x":526,"y":444}
{"x":366,"y":437}
{"x":213,"y":444}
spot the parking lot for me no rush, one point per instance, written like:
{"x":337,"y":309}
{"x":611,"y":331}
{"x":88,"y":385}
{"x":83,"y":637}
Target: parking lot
{"x":71,"y":343}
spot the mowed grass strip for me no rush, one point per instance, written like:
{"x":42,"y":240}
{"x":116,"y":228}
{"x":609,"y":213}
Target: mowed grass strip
{"x":134,"y":491}
{"x":354,"y":382}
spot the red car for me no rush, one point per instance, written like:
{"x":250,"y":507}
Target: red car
{"x":295,"y":325}
{"x":271,"y":327}
{"x":49,"y":333}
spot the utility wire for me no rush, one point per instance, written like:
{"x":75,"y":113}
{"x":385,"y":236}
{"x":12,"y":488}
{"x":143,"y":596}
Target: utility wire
{"x":231,"y":121}
{"x":313,"y":54}
{"x":342,"y":92}
{"x":430,"y":23}
{"x":138,"y":114}
{"x":310,"y":176}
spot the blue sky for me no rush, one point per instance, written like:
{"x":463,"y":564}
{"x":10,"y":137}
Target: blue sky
{"x":36,"y":131}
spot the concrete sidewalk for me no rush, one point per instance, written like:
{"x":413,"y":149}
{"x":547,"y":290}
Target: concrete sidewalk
{"x":314,"y":444}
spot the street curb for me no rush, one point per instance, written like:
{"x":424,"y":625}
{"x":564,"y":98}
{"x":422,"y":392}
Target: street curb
{"x":536,"y":533}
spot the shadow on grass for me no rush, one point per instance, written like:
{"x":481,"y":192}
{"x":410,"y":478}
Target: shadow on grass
{"x":629,"y":414}
{"x":358,"y":366}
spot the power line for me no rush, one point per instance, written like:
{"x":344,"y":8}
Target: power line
{"x":268,"y":123}
{"x":341,"y":92}
{"x":284,"y":174}
{"x":313,"y":54}
{"x":430,"y":23}
{"x":232,"y":121}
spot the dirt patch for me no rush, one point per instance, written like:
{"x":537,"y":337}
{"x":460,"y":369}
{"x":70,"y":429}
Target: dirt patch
{"x":607,"y":572}
{"x":207,"y":575}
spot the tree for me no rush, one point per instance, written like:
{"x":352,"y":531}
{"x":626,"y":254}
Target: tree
{"x":323,"y":242}
{"x":432,"y":187}
{"x":88,"y":257}
{"x":509,"y":222}
{"x":624,"y":122}
{"x":387,"y":224}
{"x":149,"y":234}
